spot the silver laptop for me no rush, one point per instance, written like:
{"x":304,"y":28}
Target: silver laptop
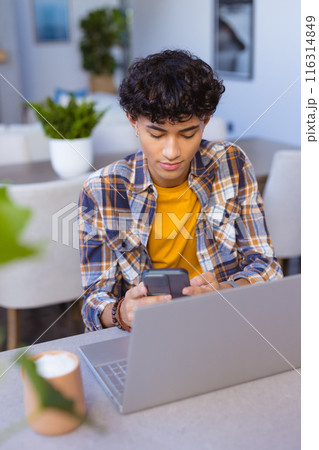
{"x":194,"y":345}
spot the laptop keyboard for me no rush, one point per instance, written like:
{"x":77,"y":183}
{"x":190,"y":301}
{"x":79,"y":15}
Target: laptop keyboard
{"x":115,"y":373}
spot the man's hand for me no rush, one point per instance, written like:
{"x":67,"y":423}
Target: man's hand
{"x":137,"y":296}
{"x":206,"y":282}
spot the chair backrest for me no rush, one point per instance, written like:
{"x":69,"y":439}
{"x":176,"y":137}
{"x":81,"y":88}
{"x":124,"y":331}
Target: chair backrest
{"x":116,"y":138}
{"x":36,"y":141}
{"x":215,"y":130}
{"x":53,"y":276}
{"x":113,"y":135}
{"x":13,"y":149}
{"x":282,"y":202}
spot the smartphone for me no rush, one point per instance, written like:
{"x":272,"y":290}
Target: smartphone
{"x":165,"y":281}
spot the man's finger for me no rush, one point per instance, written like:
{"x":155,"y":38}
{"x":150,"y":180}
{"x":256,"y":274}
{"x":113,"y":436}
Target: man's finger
{"x":197,"y":281}
{"x":192,"y":290}
{"x":151,"y":299}
{"x":137,"y":291}
{"x":203,"y":279}
{"x":195,"y":290}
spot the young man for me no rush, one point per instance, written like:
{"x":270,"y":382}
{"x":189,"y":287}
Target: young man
{"x":179,"y":201}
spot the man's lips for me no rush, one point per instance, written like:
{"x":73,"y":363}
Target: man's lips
{"x":170,"y":166}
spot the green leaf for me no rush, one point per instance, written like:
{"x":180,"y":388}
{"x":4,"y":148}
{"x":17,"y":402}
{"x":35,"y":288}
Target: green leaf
{"x":72,"y":121}
{"x":49,"y":397}
{"x":13,"y":219}
{"x":102,"y":29}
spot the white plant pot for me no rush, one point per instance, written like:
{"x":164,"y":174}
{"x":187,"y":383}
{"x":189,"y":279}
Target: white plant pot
{"x":71,"y":158}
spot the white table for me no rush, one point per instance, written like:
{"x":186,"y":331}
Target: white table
{"x":260,"y":152}
{"x":263,"y":414}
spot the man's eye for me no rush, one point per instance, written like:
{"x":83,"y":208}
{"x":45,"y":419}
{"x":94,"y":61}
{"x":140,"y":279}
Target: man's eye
{"x":156,"y":136}
{"x":188,"y":137}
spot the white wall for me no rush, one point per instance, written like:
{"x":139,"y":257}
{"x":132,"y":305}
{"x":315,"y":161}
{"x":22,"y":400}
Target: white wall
{"x":160,"y":24}
{"x":276,"y":67}
{"x":10,"y":102}
{"x":188,"y":24}
{"x":46,"y":66}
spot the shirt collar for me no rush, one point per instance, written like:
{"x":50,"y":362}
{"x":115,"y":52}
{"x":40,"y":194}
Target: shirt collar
{"x":142,"y":178}
{"x":197,"y":165}
{"x":202,"y":173}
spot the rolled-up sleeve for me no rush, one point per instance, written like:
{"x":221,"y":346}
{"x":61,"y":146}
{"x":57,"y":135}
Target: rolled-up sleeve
{"x":257,"y":261}
{"x":100,"y":280}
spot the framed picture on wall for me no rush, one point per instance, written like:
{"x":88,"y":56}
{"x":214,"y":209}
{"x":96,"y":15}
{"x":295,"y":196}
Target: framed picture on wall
{"x":234,"y":38}
{"x":51,"y":19}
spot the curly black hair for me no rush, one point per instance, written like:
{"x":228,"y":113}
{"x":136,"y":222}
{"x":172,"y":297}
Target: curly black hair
{"x":172,"y":85}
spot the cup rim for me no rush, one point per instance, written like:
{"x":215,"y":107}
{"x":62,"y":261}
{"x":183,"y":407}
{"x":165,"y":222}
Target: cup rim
{"x":53,"y":352}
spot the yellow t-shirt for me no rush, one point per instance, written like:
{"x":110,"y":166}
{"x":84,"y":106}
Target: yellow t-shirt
{"x":173,"y":229}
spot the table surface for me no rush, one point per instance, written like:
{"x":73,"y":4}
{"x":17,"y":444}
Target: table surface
{"x":41,"y":171}
{"x":259,"y":151}
{"x":263,"y":414}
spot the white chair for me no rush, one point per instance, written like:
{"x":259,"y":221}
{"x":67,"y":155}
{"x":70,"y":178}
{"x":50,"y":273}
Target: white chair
{"x":114,"y":134}
{"x":282,"y":202}
{"x":116,"y":138}
{"x":36,"y":141}
{"x":52,"y":276}
{"x":215,"y":130}
{"x":13,"y":149}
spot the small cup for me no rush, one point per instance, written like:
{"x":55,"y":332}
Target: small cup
{"x":51,"y":421}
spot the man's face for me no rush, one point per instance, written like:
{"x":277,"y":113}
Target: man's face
{"x":169,"y":148}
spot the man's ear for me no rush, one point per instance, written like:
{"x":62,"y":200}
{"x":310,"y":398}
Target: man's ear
{"x":206,"y":120}
{"x":131,"y":120}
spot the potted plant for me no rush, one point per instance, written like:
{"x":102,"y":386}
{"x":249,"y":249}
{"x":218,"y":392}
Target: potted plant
{"x":69,"y":131}
{"x":103,"y":29}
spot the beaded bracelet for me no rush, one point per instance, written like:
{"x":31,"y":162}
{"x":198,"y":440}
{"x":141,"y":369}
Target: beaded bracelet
{"x":118,"y":322}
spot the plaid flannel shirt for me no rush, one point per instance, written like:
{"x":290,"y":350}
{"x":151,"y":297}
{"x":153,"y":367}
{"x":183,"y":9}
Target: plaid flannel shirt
{"x":117,"y":207}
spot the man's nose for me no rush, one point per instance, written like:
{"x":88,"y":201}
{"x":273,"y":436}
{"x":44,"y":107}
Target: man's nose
{"x":171,"y":150}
